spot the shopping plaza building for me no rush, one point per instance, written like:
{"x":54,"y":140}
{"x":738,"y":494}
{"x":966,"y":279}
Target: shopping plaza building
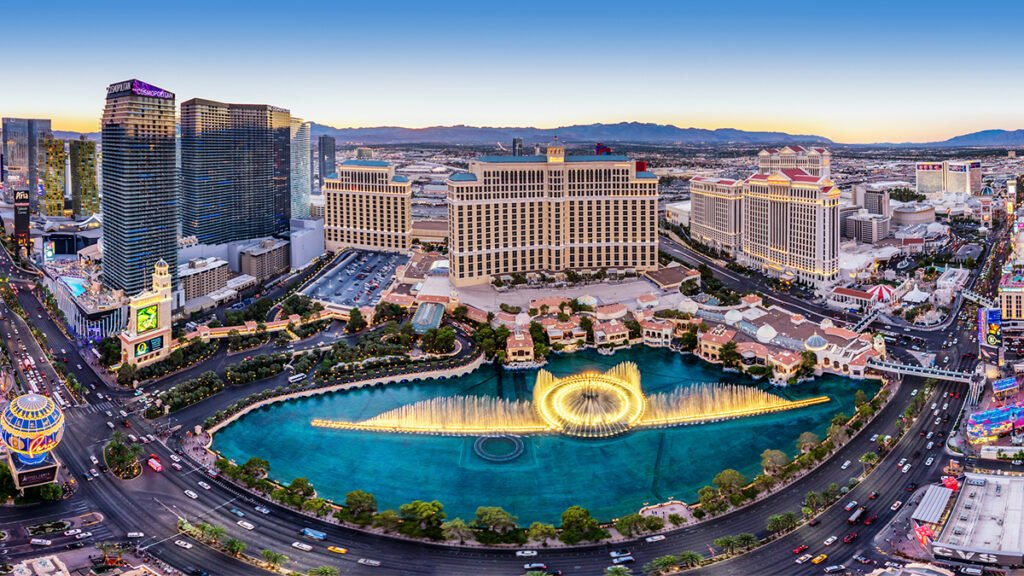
{"x":367,"y":207}
{"x":550,"y":213}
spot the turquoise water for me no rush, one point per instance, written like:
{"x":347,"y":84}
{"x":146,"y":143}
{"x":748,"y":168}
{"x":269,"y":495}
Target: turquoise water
{"x":611,"y":477}
{"x":77,"y":285}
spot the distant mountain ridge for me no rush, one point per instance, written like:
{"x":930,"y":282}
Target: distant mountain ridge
{"x":634,"y":132}
{"x":986,"y":138}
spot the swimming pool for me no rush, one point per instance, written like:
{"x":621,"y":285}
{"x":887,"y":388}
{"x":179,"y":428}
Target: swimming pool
{"x":78,"y":286}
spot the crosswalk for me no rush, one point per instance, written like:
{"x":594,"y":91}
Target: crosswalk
{"x":99,"y":407}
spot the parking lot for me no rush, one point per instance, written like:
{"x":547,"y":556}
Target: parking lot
{"x":358,"y":279}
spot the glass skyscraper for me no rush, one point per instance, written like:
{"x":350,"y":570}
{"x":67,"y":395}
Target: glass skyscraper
{"x":326,"y":154}
{"x":85,"y":197}
{"x":235,"y":170}
{"x":24,"y":155}
{"x":301,"y":183}
{"x":140,"y":210}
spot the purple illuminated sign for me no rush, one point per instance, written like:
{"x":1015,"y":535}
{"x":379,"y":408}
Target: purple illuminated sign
{"x":142,"y":89}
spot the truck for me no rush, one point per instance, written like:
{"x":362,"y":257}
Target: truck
{"x":155,"y":465}
{"x":855,"y":517}
{"x":314,"y":534}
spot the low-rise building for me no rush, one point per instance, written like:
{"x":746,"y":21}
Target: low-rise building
{"x":519,"y":347}
{"x":611,"y":333}
{"x":657,"y":333}
{"x":266,"y":259}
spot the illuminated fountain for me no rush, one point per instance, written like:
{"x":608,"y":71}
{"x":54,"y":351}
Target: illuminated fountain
{"x":589,"y":405}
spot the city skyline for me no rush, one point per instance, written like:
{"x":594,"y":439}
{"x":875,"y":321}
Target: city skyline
{"x":923,"y":72}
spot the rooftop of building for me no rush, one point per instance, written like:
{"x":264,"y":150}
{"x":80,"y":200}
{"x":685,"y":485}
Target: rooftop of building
{"x":542,"y":158}
{"x":365,"y":163}
{"x":988,"y":515}
{"x":264,"y":246}
{"x":463,"y":177}
{"x":714,"y":180}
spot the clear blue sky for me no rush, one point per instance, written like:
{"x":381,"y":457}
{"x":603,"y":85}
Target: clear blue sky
{"x":854,"y":71}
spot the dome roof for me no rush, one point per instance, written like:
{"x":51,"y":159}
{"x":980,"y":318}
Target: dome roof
{"x":826,"y":323}
{"x":732,"y":317}
{"x":31,"y":426}
{"x":815,"y":342}
{"x":987,"y":191}
{"x":766,"y":333}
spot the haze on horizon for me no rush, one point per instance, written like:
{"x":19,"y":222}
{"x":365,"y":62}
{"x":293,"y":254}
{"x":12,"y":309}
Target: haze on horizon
{"x":859,"y":72}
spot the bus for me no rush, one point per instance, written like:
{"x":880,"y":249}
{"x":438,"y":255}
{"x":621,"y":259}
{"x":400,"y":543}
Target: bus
{"x":314,"y":534}
{"x":855,"y":517}
{"x":296,"y":378}
{"x":155,"y":464}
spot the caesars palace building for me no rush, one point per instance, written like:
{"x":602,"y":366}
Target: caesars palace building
{"x":551,"y":213}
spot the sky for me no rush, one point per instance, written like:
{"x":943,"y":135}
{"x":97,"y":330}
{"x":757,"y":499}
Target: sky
{"x":853,"y":71}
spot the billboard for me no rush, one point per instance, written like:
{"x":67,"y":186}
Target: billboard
{"x":930,"y":167}
{"x":151,"y":345}
{"x":957,"y":168}
{"x":146,"y":319}
{"x":21,"y":217}
{"x":1004,"y":384}
{"x":48,"y":251}
{"x":990,"y":322}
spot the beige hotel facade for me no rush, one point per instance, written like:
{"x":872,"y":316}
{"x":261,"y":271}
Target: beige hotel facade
{"x":551,"y":213}
{"x":367,"y":207}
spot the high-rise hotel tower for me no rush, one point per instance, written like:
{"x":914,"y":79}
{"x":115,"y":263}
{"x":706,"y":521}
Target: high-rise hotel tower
{"x":526,"y":214}
{"x":140,"y":192}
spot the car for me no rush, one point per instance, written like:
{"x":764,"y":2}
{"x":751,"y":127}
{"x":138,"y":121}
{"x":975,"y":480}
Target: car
{"x":938,"y":421}
{"x":870,"y":520}
{"x":372,"y":562}
{"x":74,"y":545}
{"x":109,"y":413}
{"x":929,"y":435}
{"x":846,"y":465}
{"x":814,"y":522}
{"x":803,"y":558}
{"x":94,"y":473}
{"x":191,"y":494}
{"x":906,"y":469}
{"x":901,"y":462}
{"x":175,"y":457}
{"x":83,"y":535}
{"x":862,"y":559}
{"x":800,"y":549}
{"x":896,"y":505}
{"x":819,"y":559}
{"x":655,"y":538}
{"x":935,"y":405}
{"x":1017,"y":462}
{"x":183,"y":544}
{"x":945,"y":406}
{"x":835,"y":569}
{"x":73,"y":532}
{"x":535,"y":566}
{"x":893,"y":565}
{"x":176,"y":466}
{"x":914,"y":392}
{"x":337,"y":549}
{"x":849,"y":537}
{"x":623,"y":560}
{"x":302,"y":546}
{"x":620,"y":553}
{"x":873,"y":495}
{"x":203,"y":485}
{"x":910,"y":487}
{"x":831,"y":540}
{"x":874,"y":438}
{"x":245,"y":524}
{"x":526,"y":553}
{"x":931,"y":460}
{"x":263,"y":510}
{"x":850,"y":505}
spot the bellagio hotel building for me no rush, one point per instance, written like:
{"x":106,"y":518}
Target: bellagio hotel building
{"x":368,"y":207}
{"x":551,"y":213}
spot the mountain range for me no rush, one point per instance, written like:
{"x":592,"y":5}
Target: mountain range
{"x":627,"y":132}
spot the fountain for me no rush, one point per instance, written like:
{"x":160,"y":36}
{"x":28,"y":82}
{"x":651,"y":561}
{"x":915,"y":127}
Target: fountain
{"x":588,"y":405}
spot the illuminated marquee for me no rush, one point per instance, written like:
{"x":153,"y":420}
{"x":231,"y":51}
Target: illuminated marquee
{"x":990,"y":321}
{"x":929,"y":167}
{"x":146,"y":319}
{"x":151,"y":345}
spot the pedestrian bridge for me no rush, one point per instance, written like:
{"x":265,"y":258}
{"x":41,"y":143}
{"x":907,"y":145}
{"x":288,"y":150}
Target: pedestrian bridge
{"x":937,"y":373}
{"x":979,"y":299}
{"x":864,"y":322}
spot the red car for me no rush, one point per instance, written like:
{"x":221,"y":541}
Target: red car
{"x":870,"y":520}
{"x":849,"y":537}
{"x":801,"y":548}
{"x":873,"y":495}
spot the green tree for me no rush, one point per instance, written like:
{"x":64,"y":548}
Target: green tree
{"x":360,"y":506}
{"x":273,"y":559}
{"x":747,"y":540}
{"x":775,"y":524}
{"x":456,"y":529}
{"x":540,"y":532}
{"x":355,"y":321}
{"x":661,"y":563}
{"x":813,"y":500}
{"x":235,"y":546}
{"x":773,"y":460}
{"x":859,"y":397}
{"x":729,"y":481}
{"x":630,"y":524}
{"x":215,"y":533}
{"x":426,"y":517}
{"x":868,"y":459}
{"x":676,"y":519}
{"x":495,"y":519}
{"x":727,"y":543}
{"x":51,"y":492}
{"x":387,"y":520}
{"x":728,"y":355}
{"x":690,"y":559}
{"x":579,"y":526}
{"x":807,"y":441}
{"x":323,"y":571}
{"x":617,"y":571}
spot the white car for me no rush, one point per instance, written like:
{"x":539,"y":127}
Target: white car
{"x":830,"y":540}
{"x":302,"y":546}
{"x":655,"y":538}
{"x":874,"y":438}
{"x":914,"y":392}
{"x":183,"y":544}
{"x":901,"y":462}
{"x":263,"y":510}
{"x":246,"y":525}
{"x":368,"y":562}
{"x":896,"y":505}
{"x":176,"y":466}
{"x":83,"y":535}
{"x":526,"y":553}
{"x":929,"y":461}
{"x":846,"y":465}
{"x":945,"y":406}
{"x":203,"y":485}
{"x":191,"y":494}
{"x":175,"y":457}
{"x":72,"y":532}
{"x":804,"y":558}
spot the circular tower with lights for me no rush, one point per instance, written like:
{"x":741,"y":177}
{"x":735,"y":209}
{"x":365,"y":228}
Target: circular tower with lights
{"x":31,"y":427}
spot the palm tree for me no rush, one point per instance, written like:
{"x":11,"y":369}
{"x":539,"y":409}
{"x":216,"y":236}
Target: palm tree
{"x":617,"y":571}
{"x":868,"y":459}
{"x":726,"y":543}
{"x":690,"y":558}
{"x":790,"y":520}
{"x":775,"y":523}
{"x":323,"y":571}
{"x":813,"y":500}
{"x":235,"y":546}
{"x":274,"y":559}
{"x":215,"y":533}
{"x":747,"y":540}
{"x":111,"y":553}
